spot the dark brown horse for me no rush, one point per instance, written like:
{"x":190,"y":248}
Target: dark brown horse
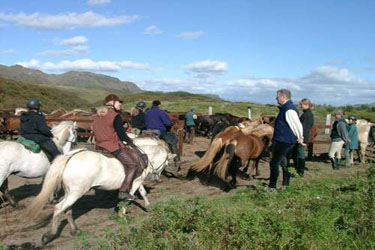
{"x":241,"y":149}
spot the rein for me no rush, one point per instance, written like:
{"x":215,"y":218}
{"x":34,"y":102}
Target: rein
{"x":154,"y":170}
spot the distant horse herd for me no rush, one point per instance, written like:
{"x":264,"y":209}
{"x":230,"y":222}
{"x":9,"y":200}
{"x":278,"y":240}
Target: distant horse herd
{"x":235,"y":141}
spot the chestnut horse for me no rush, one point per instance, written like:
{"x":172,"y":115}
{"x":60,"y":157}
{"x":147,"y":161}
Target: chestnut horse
{"x":243,"y":148}
{"x":219,"y":141}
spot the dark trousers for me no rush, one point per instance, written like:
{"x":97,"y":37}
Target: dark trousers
{"x":50,"y":148}
{"x":171,"y":139}
{"x":280,"y":152}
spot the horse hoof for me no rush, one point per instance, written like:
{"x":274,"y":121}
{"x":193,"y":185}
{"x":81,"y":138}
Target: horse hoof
{"x":14,"y":204}
{"x":46,"y":238}
{"x":75,"y":232}
{"x":121,"y":212}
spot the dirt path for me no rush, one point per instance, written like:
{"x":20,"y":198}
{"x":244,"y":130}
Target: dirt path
{"x":92,"y":211}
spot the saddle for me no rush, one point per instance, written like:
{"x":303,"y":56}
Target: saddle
{"x":29,"y":144}
{"x":104,"y":152}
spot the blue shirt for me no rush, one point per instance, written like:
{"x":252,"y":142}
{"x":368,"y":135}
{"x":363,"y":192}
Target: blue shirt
{"x":158,"y":119}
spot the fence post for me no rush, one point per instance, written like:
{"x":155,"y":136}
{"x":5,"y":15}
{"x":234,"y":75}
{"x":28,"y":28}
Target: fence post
{"x":249,"y":112}
{"x":210,"y":110}
{"x":328,"y":123}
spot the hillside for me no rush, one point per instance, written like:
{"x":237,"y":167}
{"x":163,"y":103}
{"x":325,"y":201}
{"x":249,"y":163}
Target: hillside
{"x":72,"y":78}
{"x":15,"y":94}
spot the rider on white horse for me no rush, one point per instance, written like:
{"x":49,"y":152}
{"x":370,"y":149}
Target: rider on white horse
{"x":110,"y":136}
{"x":34,"y":127}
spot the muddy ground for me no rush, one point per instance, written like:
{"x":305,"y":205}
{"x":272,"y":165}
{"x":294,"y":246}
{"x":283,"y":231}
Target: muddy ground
{"x":92,"y":211}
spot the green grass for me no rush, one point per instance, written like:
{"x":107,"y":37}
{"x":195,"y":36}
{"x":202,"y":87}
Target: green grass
{"x":328,"y":210}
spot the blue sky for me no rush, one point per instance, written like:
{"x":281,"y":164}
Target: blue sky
{"x":242,"y":50}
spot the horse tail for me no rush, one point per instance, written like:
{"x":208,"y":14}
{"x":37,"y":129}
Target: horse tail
{"x":208,"y":157}
{"x":223,"y":164}
{"x":51,"y":181}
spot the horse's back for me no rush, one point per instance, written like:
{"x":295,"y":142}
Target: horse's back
{"x":88,"y":169}
{"x":16,"y":159}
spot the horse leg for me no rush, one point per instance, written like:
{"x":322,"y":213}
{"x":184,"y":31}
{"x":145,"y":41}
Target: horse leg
{"x":363,"y":152}
{"x":66,"y":203}
{"x":233,"y":171}
{"x":256,"y":166}
{"x":247,"y":167}
{"x":253,"y":166}
{"x":74,"y":231}
{"x":143,"y":193}
{"x":4,"y":189}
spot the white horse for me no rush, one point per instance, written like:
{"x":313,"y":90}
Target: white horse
{"x":364,"y":132}
{"x":81,"y":170}
{"x":17,"y":160}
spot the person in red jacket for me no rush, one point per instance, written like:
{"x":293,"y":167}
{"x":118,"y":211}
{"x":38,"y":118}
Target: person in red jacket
{"x":111,"y":136}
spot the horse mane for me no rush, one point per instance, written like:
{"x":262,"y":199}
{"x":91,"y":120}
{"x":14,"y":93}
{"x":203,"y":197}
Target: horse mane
{"x":61,"y":131}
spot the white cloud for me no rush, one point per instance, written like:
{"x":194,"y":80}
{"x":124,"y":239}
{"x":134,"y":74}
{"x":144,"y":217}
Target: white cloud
{"x":98,"y":2}
{"x":75,"y":51}
{"x":190,"y":35}
{"x":66,"y":21}
{"x":152,"y":30}
{"x":207,"y":66}
{"x":330,"y":73}
{"x":323,"y":85}
{"x":7,"y":52}
{"x":87,"y":65}
{"x":76,"y":40}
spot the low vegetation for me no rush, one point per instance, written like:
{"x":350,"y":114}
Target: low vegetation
{"x":335,"y":212}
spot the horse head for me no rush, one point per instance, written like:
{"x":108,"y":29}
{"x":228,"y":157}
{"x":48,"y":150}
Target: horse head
{"x":65,"y":134}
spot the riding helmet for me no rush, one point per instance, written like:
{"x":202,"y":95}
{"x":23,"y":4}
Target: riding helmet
{"x":34,"y":103}
{"x":111,"y":97}
{"x":352,"y":117}
{"x":141,"y":105}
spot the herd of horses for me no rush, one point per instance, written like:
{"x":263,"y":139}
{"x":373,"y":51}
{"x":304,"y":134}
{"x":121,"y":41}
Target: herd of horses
{"x":235,"y":143}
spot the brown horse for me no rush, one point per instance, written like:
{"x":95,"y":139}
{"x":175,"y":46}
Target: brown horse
{"x":243,"y":148}
{"x":219,"y":141}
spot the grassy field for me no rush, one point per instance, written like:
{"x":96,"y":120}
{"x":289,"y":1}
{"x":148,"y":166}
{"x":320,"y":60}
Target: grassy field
{"x":325,"y":210}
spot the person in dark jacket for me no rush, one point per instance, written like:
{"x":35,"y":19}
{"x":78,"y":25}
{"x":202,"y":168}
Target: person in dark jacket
{"x":34,"y":127}
{"x":111,"y":137}
{"x":288,"y":132}
{"x":158,"y":120}
{"x":138,"y":118}
{"x":353,"y":144}
{"x":339,"y":137}
{"x":307,"y":120}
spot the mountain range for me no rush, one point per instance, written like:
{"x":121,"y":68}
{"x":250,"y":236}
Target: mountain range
{"x":71,"y":78}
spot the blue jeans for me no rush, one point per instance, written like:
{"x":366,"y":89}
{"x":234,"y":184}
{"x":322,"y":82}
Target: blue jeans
{"x":280,"y":152}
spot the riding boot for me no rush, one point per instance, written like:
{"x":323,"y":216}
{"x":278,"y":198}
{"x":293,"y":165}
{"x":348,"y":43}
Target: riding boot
{"x":333,"y":162}
{"x":359,"y":156}
{"x":338,"y":163}
{"x":286,"y":176}
{"x":133,"y":168}
{"x":300,"y":166}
